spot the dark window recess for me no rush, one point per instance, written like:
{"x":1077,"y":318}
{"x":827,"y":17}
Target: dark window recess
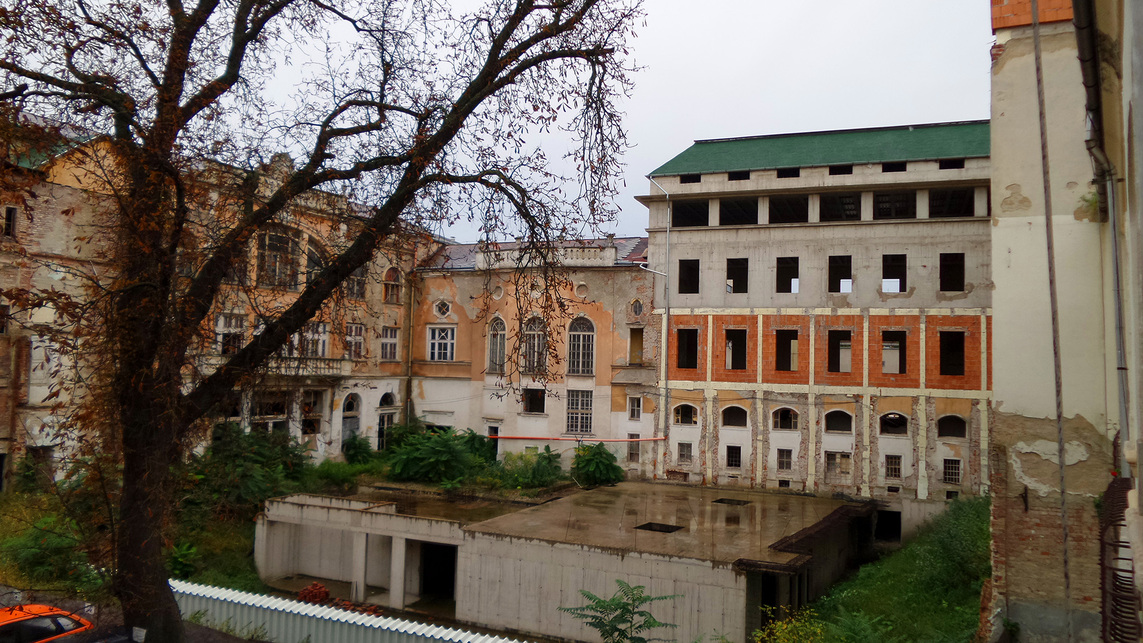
{"x":692,"y":213}
{"x":894,"y":268}
{"x":789,"y":172}
{"x":836,"y":170}
{"x":894,"y":424}
{"x":736,"y":349}
{"x":893,"y":352}
{"x":840,"y":207}
{"x":790,"y":209}
{"x":952,"y":426}
{"x":740,"y":175}
{"x":895,"y":205}
{"x":840,"y":347}
{"x":952,"y":272}
{"x":734,"y":416}
{"x":787,"y":270}
{"x":951,"y":164}
{"x":687,"y":347}
{"x":839,"y":421}
{"x":9,"y":224}
{"x":955,"y":202}
{"x":737,"y":274}
{"x":659,"y":527}
{"x":783,"y":484}
{"x":840,"y":269}
{"x":952,"y":352}
{"x":690,"y":178}
{"x":738,"y":212}
{"x":786,"y":350}
{"x":894,"y":166}
{"x":733,"y":457}
{"x":952,"y":495}
{"x":533,"y":400}
{"x":892,"y":489}
{"x":731,"y":501}
{"x":688,"y":276}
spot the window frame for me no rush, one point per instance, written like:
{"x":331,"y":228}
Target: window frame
{"x":390,"y":343}
{"x":634,"y":449}
{"x":581,"y":347}
{"x":677,"y":415}
{"x":535,"y":346}
{"x":733,"y":456}
{"x":634,"y":408}
{"x":391,"y":286}
{"x":441,"y":342}
{"x":680,"y":458}
{"x":8,"y":223}
{"x":837,"y":413}
{"x":533,"y":401}
{"x":893,"y":466}
{"x":227,"y":326}
{"x":279,"y":259}
{"x":354,"y":340}
{"x":775,"y":419}
{"x":497,"y":346}
{"x":580,"y":405}
{"x":785,"y":460}
{"x":952,"y":472}
{"x":689,"y":281}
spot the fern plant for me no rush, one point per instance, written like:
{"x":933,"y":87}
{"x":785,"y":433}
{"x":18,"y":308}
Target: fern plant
{"x":621,"y":618}
{"x":595,"y":464}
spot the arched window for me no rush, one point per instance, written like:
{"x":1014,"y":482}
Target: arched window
{"x":391,"y":286}
{"x":894,"y":424}
{"x":839,"y":421}
{"x":355,"y":284}
{"x":315,"y":260}
{"x":535,"y":346}
{"x":387,"y":399}
{"x":785,"y":420}
{"x":350,"y":416}
{"x":734,"y":416}
{"x":581,"y":347}
{"x":497,"y":332}
{"x":279,"y":257}
{"x":686,"y":414}
{"x":952,"y":426}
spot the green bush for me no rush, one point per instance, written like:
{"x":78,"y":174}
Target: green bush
{"x":50,"y":552}
{"x":529,"y":471}
{"x":431,"y":457}
{"x":595,"y":465}
{"x":357,"y":449}
{"x":338,"y":476}
{"x":481,"y":446}
{"x":398,"y":434}
{"x":182,"y":560}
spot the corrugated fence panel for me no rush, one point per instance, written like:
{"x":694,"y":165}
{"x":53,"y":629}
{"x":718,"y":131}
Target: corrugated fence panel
{"x":287,"y":621}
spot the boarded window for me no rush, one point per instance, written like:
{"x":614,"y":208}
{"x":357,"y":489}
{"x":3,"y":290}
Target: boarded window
{"x":952,"y":272}
{"x":738,"y":211}
{"x":839,"y":422}
{"x":688,"y":276}
{"x":952,"y":426}
{"x":786,"y":350}
{"x":737,"y":275}
{"x":893,"y":352}
{"x":952,"y":352}
{"x":790,"y":209}
{"x":895,"y":205}
{"x":894,"y":424}
{"x":736,"y":349}
{"x":838,"y":463}
{"x":840,"y":273}
{"x":840,"y":351}
{"x":840,"y":207}
{"x":954,"y":202}
{"x":690,"y":213}
{"x":687,"y":348}
{"x":787,"y":272}
{"x":894,"y":273}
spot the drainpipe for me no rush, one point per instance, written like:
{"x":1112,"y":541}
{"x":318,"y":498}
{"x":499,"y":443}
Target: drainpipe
{"x":665,"y":339}
{"x":410,"y":307}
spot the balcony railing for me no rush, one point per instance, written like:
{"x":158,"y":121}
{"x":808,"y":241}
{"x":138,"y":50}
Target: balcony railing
{"x":325,"y":366}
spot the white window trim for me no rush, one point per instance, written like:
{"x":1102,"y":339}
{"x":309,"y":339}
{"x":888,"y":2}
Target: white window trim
{"x":441,"y":343}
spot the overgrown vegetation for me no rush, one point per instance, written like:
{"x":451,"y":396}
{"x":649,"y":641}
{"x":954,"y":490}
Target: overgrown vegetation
{"x":594,"y":465}
{"x":621,"y":618}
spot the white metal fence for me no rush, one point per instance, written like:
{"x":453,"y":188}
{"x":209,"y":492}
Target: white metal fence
{"x":288,"y":621}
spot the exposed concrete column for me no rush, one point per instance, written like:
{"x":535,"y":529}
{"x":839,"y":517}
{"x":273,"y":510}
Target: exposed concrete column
{"x":982,"y":413}
{"x":866,"y":206}
{"x":357,"y":585}
{"x":294,"y":419}
{"x":922,"y":204}
{"x":980,"y":205}
{"x":784,"y":582}
{"x":866,"y":405}
{"x":922,"y":447}
{"x":815,"y":207}
{"x":712,"y":212}
{"x":397,"y":574}
{"x":763,"y":209}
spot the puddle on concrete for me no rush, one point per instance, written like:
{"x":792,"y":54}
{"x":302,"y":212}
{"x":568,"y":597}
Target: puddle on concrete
{"x":464,"y":510}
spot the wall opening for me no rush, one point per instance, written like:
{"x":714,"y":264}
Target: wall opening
{"x":688,"y":276}
{"x":790,"y":209}
{"x":736,"y":349}
{"x":438,"y":572}
{"x":888,"y":527}
{"x":687,"y":347}
{"x":738,"y":211}
{"x":787,"y":272}
{"x":737,"y":274}
{"x":690,"y":213}
{"x":840,"y":359}
{"x":954,"y":202}
{"x":952,"y":352}
{"x":952,"y":272}
{"x":840,"y":207}
{"x":894,"y":273}
{"x":894,"y":355}
{"x":840,"y":273}
{"x":786,"y":350}
{"x":895,"y":205}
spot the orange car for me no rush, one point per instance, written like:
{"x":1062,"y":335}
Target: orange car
{"x":35,"y":623}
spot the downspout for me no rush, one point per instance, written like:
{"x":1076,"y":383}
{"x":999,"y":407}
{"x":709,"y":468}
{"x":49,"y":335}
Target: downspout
{"x":664,"y":338}
{"x":410,"y":301}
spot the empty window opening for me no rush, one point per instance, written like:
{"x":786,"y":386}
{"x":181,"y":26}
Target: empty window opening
{"x":736,"y":349}
{"x":738,"y":212}
{"x":789,"y":172}
{"x":633,"y":447}
{"x":785,"y":459}
{"x":954,"y":202}
{"x":783,"y":484}
{"x":494,"y":435}
{"x":839,"y":422}
{"x":733,"y":457}
{"x":894,"y":273}
{"x":892,"y":489}
{"x":840,"y":207}
{"x":838,"y":463}
{"x":690,"y":178}
{"x":688,"y":276}
{"x":579,"y":411}
{"x":659,"y":527}
{"x":951,"y":472}
{"x":635,"y":346}
{"x":734,"y":416}
{"x":687,"y":348}
{"x":894,"y":166}
{"x":895,"y":205}
{"x":894,"y":357}
{"x":952,"y":426}
{"x":533,"y":400}
{"x":9,"y":229}
{"x":740,"y":175}
{"x":737,"y":275}
{"x":838,"y":170}
{"x":684,"y":453}
{"x":952,"y":495}
{"x":840,"y":351}
{"x":888,"y":526}
{"x":952,"y":352}
{"x":735,"y":502}
{"x":634,"y":408}
{"x":894,"y":424}
{"x":785,"y":419}
{"x":893,"y":467}
{"x":686,"y":414}
{"x":787,"y":271}
{"x":790,"y":209}
{"x":950,"y":164}
{"x":691,"y":213}
{"x":952,"y":272}
{"x":313,"y":410}
{"x":840,"y":273}
{"x":786,"y":350}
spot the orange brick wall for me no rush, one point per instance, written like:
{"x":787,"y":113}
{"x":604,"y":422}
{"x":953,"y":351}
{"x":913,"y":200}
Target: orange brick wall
{"x":852,"y":323}
{"x":771,"y":323}
{"x":971,"y":327}
{"x":673,"y":370}
{"x":718,"y":363}
{"x":1018,"y":13}
{"x":911,"y":324}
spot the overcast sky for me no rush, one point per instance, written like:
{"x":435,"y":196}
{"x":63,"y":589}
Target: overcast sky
{"x":727,"y":68}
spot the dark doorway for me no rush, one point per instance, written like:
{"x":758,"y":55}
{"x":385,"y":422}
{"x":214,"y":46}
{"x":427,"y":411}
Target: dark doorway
{"x":888,"y":526}
{"x":438,"y":571}
{"x":761,"y":599}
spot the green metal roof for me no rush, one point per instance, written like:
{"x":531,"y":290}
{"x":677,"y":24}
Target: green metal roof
{"x":876,"y":145}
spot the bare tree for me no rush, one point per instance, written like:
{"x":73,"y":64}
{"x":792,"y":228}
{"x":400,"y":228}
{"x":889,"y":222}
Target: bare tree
{"x":411,"y":114}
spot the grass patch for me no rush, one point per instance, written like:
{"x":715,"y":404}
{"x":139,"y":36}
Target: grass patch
{"x":226,"y":556}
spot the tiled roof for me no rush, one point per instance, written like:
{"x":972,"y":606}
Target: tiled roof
{"x":968,"y":139}
{"x":463,"y":256}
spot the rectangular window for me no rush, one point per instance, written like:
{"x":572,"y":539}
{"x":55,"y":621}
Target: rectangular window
{"x":788,"y":172}
{"x":740,"y":175}
{"x":950,"y":164}
{"x":635,"y":346}
{"x":838,"y":170}
{"x":632,"y":448}
{"x":736,"y":349}
{"x":786,"y":350}
{"x":952,"y":272}
{"x":315,"y":337}
{"x":893,"y":352}
{"x":738,"y":211}
{"x":952,"y":352}
{"x":840,"y":351}
{"x":840,"y":273}
{"x":690,"y":178}
{"x":733,"y":457}
{"x":9,"y":229}
{"x":688,"y":276}
{"x":951,"y":473}
{"x":355,"y":283}
{"x":787,"y":271}
{"x":790,"y":209}
{"x":230,"y":333}
{"x":355,"y":341}
{"x":895,"y":205}
{"x":693,"y":213}
{"x":442,"y":343}
{"x":684,"y":453}
{"x":385,"y":421}
{"x":838,"y":463}
{"x":737,"y":274}
{"x":279,"y":255}
{"x":894,"y":273}
{"x":533,"y":400}
{"x":893,"y":467}
{"x":840,"y":207}
{"x":785,"y":459}
{"x":579,"y":411}
{"x":389,"y":343}
{"x":313,"y":410}
{"x":687,"y":348}
{"x":581,"y":349}
{"x":954,"y":202}
{"x":634,"y":408}
{"x":894,"y":166}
